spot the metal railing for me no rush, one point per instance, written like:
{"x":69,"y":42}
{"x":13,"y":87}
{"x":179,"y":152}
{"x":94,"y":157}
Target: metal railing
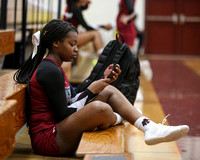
{"x":26,"y":17}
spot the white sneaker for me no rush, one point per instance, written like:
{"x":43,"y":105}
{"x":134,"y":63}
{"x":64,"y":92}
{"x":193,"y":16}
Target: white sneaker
{"x":162,"y":133}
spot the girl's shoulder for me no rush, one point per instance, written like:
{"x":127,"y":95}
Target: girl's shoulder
{"x":48,"y":68}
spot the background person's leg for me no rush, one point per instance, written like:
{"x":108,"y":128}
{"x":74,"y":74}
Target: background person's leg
{"x":94,"y":36}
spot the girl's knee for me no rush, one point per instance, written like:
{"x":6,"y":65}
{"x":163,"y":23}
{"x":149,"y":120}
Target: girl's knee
{"x":110,"y":88}
{"x":101,"y":108}
{"x":104,"y":112}
{"x":96,"y":33}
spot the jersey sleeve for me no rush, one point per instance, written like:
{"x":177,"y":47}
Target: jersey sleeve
{"x":77,"y":13}
{"x":87,"y":93}
{"x":130,"y":6}
{"x":51,"y":78}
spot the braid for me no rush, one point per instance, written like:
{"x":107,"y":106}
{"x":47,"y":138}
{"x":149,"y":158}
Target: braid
{"x":52,"y":31}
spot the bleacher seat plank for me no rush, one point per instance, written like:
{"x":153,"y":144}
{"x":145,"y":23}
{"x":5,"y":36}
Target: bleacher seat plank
{"x":7,"y":41}
{"x":116,"y":156}
{"x":110,"y":140}
{"x":7,"y":127}
{"x":11,"y":90}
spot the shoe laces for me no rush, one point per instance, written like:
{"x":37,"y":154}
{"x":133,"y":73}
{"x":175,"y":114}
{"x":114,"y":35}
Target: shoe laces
{"x":165,"y":119}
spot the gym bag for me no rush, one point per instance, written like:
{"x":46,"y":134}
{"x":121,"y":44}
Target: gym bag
{"x":117,"y":52}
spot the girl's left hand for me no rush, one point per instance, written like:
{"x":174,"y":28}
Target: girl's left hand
{"x":115,"y":73}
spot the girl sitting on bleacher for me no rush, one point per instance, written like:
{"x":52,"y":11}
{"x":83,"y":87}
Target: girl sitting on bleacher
{"x":58,"y":116}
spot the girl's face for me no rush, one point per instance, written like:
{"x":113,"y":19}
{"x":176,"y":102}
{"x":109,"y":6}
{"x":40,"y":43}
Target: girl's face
{"x":67,"y":49}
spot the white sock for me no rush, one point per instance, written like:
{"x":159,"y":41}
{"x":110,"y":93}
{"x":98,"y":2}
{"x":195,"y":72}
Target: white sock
{"x":119,"y":118}
{"x":143,"y":123}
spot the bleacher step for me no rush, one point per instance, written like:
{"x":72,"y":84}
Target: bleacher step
{"x":7,"y":127}
{"x":7,"y":41}
{"x":110,"y":140}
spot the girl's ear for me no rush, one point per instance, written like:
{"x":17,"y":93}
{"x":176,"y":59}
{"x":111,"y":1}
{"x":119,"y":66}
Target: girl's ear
{"x":56,"y":44}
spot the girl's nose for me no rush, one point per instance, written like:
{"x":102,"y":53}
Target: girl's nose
{"x":76,"y":49}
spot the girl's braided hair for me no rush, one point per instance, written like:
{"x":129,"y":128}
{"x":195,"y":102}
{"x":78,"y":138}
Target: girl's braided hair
{"x":53,"y":31}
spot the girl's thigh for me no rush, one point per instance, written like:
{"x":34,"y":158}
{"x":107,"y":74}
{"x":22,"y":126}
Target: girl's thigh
{"x":93,"y":115}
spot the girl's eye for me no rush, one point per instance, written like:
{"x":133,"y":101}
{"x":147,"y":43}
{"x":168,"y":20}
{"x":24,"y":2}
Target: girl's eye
{"x":72,"y":44}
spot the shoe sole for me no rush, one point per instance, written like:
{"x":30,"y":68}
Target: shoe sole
{"x":173,"y":136}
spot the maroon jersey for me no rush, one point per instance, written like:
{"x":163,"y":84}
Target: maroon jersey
{"x":128,"y":31}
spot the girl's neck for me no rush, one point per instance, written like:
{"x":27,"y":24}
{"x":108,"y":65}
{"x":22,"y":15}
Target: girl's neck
{"x":55,"y":57}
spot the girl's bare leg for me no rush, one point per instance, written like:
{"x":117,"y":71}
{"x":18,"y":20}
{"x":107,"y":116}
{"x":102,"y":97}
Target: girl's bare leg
{"x":119,"y":104}
{"x":69,"y":131}
{"x":100,"y":113}
{"x":154,"y":133}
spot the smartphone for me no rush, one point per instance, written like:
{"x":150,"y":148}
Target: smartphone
{"x":113,"y":69}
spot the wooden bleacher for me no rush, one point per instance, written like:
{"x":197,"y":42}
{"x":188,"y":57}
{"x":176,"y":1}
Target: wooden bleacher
{"x":11,"y":92}
{"x":110,"y":140}
{"x":7,"y":127}
{"x":7,"y":41}
{"x":104,"y":144}
{"x":12,"y":99}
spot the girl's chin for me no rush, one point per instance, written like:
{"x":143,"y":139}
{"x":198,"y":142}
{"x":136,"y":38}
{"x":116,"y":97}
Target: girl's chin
{"x":74,"y":57}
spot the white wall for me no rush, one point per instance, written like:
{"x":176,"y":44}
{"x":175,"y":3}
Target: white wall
{"x":105,"y":11}
{"x":102,"y":11}
{"x":140,"y":11}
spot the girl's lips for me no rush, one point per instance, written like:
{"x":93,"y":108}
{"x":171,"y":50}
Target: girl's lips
{"x":75,"y":55}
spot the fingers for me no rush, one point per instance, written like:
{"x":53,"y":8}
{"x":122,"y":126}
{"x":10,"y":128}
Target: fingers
{"x":115,"y":73}
{"x":118,"y":70}
{"x":110,"y":66}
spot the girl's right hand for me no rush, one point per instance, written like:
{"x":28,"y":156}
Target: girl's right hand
{"x":98,"y":85}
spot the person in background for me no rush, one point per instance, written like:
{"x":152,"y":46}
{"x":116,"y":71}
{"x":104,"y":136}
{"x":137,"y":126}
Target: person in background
{"x":125,"y":22}
{"x":73,"y":14}
{"x":57,"y":116}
